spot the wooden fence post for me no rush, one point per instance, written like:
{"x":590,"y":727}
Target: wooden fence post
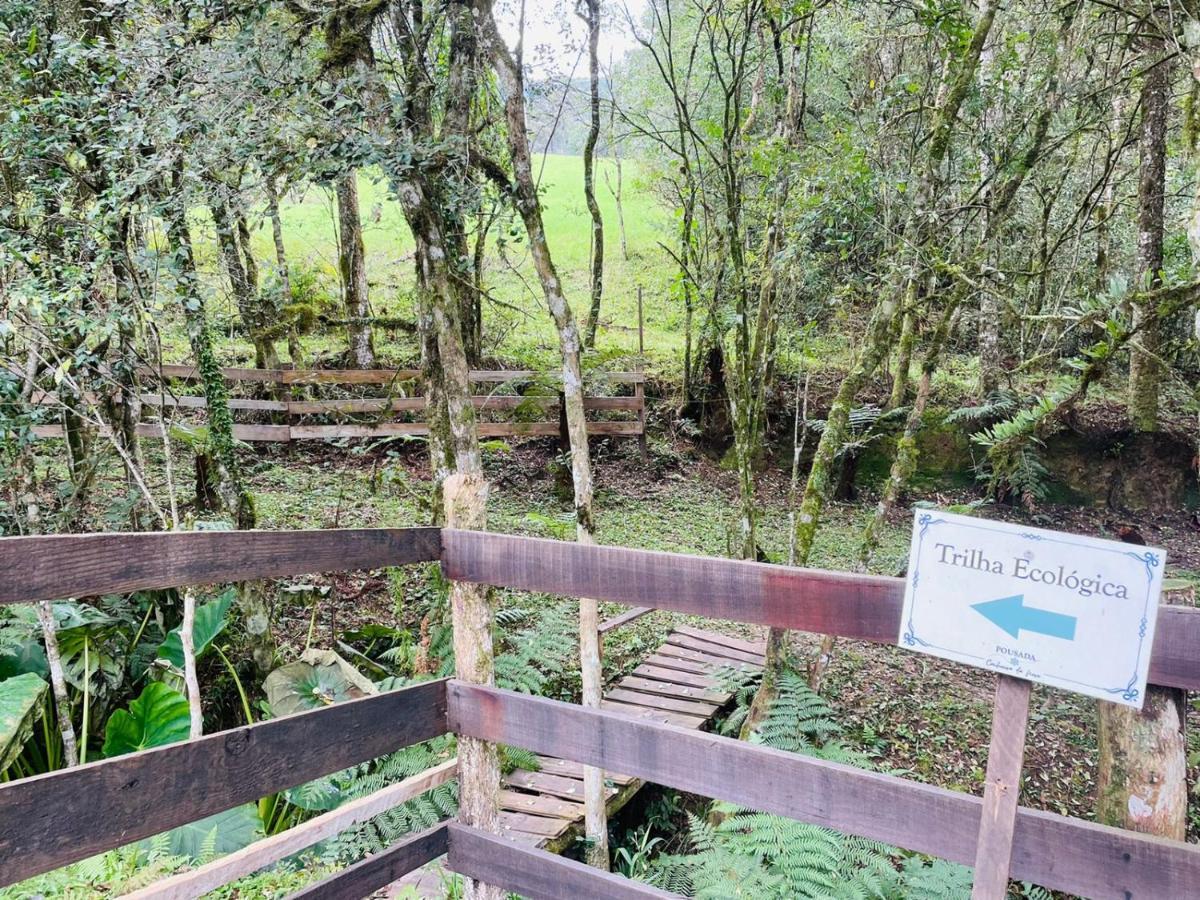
{"x":465,"y":496}
{"x":1006,"y":755}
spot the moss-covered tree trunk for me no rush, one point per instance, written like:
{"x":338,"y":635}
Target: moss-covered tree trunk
{"x":295,"y":353}
{"x":509,"y":71}
{"x":591,"y":15}
{"x":236,"y":499}
{"x":352,"y":266}
{"x":243,"y":282}
{"x":1141,"y":782}
{"x":876,"y":345}
{"x":1145,"y":370}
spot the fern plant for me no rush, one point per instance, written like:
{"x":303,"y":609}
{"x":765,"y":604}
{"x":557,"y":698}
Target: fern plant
{"x":739,"y":852}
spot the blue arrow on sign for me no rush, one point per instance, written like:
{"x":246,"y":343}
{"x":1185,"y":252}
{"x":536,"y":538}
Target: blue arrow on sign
{"x":1012,"y":615}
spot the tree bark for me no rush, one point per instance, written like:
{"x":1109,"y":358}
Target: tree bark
{"x":353,"y":268}
{"x":509,"y":71}
{"x":1141,"y":782}
{"x":591,"y":15}
{"x":243,"y":282}
{"x":1145,"y":372}
{"x":295,"y":353}
{"x":236,"y":499}
{"x":876,"y":345}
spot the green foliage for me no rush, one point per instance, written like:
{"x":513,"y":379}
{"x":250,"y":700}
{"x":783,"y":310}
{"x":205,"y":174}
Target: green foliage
{"x":159,"y":716}
{"x":22,"y":700}
{"x":214,"y":836}
{"x":319,"y":679}
{"x":739,"y":852}
{"x":527,"y":659}
{"x":107,"y":874}
{"x":211,"y":619}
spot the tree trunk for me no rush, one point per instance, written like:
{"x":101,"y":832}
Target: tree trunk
{"x":243,"y":282}
{"x":353,"y":268}
{"x":1141,"y":783}
{"x":508,"y":69}
{"x":877,"y":340}
{"x":295,"y":353}
{"x":235,"y":498}
{"x":1145,"y":372}
{"x":591,"y":15}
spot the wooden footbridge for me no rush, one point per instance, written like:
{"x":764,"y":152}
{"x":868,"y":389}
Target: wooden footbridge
{"x":48,"y":821}
{"x":679,"y":684}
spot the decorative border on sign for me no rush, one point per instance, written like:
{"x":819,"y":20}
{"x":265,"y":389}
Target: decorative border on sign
{"x":1128,"y":691}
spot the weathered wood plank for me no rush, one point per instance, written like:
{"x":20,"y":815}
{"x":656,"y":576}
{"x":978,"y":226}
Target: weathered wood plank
{"x":759,"y":648}
{"x":657,"y":701}
{"x":669,"y":689}
{"x":528,"y":824}
{"x":658,"y":715}
{"x":1051,"y":850}
{"x":718,"y":650}
{"x":56,"y":567}
{"x":665,"y":659}
{"x":186,"y":402}
{"x":676,"y":677}
{"x":196,"y":882}
{"x":347,"y":376}
{"x":1002,"y":788}
{"x":713,"y":659}
{"x":381,"y":869}
{"x":630,"y":615}
{"x":860,"y":607}
{"x":540,"y":805}
{"x":572,"y":769}
{"x":534,"y":873}
{"x":50,"y":820}
{"x":569,"y":787}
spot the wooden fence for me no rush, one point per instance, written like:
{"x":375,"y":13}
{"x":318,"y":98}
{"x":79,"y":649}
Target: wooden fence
{"x":51,"y":820}
{"x":386,"y":406}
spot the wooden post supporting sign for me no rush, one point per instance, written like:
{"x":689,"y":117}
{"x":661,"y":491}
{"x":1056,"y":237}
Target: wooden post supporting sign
{"x":1002,"y":788}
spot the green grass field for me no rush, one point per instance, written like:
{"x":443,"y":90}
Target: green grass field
{"x":518,"y":327}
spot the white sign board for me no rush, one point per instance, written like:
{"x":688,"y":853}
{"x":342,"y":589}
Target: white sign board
{"x":1074,"y":612}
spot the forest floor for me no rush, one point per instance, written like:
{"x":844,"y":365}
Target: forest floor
{"x":918,"y":716}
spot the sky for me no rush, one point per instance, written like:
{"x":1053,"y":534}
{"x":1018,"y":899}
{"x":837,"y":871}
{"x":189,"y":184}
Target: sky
{"x":555,"y":36}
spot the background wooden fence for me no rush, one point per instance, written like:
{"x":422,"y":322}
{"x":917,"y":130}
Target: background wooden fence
{"x":50,"y":820}
{"x":386,"y":381}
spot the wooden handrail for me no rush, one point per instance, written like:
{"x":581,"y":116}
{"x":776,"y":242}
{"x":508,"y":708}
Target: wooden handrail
{"x":51,"y":820}
{"x":537,"y":874}
{"x":75,"y":565}
{"x":1051,"y":850}
{"x":193,"y":883}
{"x":860,"y":607}
{"x":380,"y":869}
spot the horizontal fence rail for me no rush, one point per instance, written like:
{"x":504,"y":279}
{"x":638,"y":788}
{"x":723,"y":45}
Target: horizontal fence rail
{"x":193,"y":883}
{"x":51,"y":820}
{"x":74,"y":565}
{"x":377,"y":405}
{"x":1051,"y":850}
{"x":536,"y":874}
{"x":380,"y":869}
{"x":860,"y":607}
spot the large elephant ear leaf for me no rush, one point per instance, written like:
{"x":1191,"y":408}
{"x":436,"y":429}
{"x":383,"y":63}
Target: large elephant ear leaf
{"x":319,"y":679}
{"x":159,"y":716}
{"x":20,"y":707}
{"x":211,"y":619}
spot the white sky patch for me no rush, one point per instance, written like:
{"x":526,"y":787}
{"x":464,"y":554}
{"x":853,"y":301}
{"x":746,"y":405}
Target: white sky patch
{"x":555,"y":37}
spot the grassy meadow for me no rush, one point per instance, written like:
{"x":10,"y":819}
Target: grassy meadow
{"x":517,"y":327}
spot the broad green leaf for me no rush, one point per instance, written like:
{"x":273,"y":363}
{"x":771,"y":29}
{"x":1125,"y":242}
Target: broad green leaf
{"x":211,"y":619}
{"x":159,"y":716}
{"x":217,"y":835}
{"x":20,"y":707}
{"x":321,"y":678}
{"x":30,"y":656}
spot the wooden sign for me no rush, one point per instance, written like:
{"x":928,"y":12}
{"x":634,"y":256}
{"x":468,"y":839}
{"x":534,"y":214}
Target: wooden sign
{"x":1069,"y":611}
